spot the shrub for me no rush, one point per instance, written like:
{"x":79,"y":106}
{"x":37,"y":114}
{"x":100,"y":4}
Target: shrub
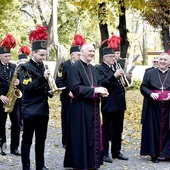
{"x":136,"y":83}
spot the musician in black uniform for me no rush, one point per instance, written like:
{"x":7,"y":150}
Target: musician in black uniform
{"x":6,"y":74}
{"x":113,"y":107}
{"x":24,"y":51}
{"x":61,"y":81}
{"x":35,"y":100}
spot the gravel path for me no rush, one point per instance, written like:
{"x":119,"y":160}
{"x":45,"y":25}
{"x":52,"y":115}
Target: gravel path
{"x":54,"y":155}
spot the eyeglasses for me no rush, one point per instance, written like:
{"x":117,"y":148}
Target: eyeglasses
{"x":155,"y":61}
{"x":111,"y":56}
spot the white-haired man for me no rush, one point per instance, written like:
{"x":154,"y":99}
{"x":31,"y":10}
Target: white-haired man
{"x":155,"y":88}
{"x":83,"y":150}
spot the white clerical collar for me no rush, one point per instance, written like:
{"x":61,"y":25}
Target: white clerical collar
{"x":85,"y":61}
{"x":163,"y":71}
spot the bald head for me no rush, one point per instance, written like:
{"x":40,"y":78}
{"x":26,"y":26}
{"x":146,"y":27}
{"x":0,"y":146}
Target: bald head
{"x":85,"y":46}
{"x":164,"y":61}
{"x":165,"y":55}
{"x":88,"y":52}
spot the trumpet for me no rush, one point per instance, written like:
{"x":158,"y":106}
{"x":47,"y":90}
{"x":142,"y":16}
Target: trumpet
{"x":123,"y":78}
{"x":51,"y":82}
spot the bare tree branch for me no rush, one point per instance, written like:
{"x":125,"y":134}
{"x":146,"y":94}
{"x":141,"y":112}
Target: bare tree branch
{"x":26,"y":12}
{"x":41,"y":14}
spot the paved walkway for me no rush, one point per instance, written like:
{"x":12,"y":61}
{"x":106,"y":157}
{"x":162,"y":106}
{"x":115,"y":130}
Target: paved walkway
{"x":54,"y":154}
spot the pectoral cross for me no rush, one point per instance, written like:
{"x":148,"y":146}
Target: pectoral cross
{"x":162,"y":88}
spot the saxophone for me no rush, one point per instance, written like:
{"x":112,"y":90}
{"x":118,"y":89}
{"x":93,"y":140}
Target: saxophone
{"x":13,"y":93}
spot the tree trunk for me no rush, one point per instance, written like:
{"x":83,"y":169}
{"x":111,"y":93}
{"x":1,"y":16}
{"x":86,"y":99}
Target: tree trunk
{"x":49,"y":26}
{"x":60,"y":55}
{"x":55,"y":23}
{"x":165,"y":31}
{"x":55,"y":34}
{"x":165,"y":38}
{"x":103,"y":29}
{"x":123,"y":31}
{"x":144,"y":44}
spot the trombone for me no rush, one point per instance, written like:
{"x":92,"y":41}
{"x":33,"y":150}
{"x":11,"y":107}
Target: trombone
{"x":123,"y":78}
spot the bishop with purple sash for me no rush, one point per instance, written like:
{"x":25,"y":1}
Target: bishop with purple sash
{"x":155,"y":140}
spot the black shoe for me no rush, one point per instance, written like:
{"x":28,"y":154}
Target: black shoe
{"x":3,"y":148}
{"x":106,"y":158}
{"x":120,"y":156}
{"x":167,"y":159}
{"x":43,"y":168}
{"x":3,"y":153}
{"x":154,"y":160}
{"x":16,"y":152}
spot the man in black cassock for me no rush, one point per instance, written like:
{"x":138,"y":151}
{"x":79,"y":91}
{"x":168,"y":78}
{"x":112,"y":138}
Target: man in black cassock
{"x":84,"y":148}
{"x":155,"y":88}
{"x":154,"y":65}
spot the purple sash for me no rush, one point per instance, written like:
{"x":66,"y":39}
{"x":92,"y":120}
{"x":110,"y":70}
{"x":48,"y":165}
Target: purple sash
{"x":162,"y":95}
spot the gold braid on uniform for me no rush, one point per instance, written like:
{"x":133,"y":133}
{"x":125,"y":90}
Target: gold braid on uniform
{"x":60,"y":69}
{"x":27,"y":79}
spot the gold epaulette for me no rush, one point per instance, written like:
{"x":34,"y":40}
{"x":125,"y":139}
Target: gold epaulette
{"x":60,"y":69}
{"x":26,"y":81}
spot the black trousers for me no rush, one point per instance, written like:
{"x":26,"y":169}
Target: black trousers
{"x":37,"y":124}
{"x":15,"y":128}
{"x":20,"y":112}
{"x":65,"y":109}
{"x":112,"y":125}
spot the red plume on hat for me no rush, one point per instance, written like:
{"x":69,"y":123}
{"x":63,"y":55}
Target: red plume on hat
{"x":169,"y":51}
{"x":24,"y":50}
{"x":78,"y":40}
{"x":9,"y":41}
{"x":113,"y":42}
{"x":39,"y":34}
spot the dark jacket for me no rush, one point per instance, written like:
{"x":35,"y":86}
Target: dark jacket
{"x":6,"y":78}
{"x":116,"y":99}
{"x":61,"y":79}
{"x":35,"y":88}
